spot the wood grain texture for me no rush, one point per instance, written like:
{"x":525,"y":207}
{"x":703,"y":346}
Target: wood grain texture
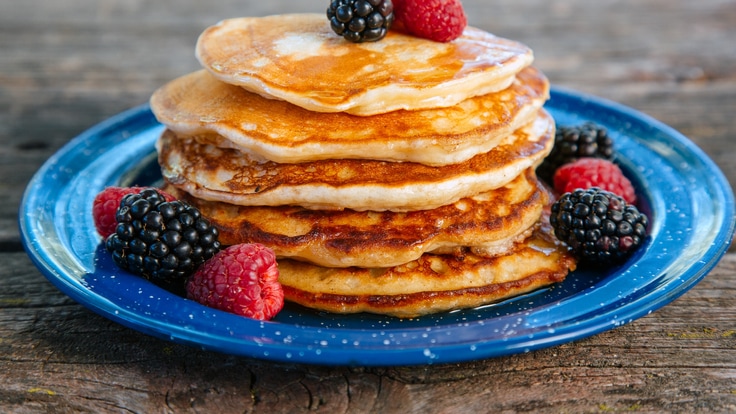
{"x":68,"y":64}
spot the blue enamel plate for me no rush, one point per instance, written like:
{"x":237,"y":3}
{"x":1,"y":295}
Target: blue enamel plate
{"x":689,"y":202}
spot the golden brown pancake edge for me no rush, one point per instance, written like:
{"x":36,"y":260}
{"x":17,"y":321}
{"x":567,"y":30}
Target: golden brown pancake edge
{"x":431,"y":284}
{"x":198,"y":105}
{"x":488,"y":223}
{"x":227,"y":175}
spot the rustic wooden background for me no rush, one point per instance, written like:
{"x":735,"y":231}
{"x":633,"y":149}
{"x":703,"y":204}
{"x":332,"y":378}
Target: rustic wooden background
{"x":68,"y":64}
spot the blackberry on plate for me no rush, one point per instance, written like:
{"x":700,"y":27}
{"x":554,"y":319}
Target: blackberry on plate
{"x":598,"y":225}
{"x":163,"y":241}
{"x":361,"y":20}
{"x":587,"y":140}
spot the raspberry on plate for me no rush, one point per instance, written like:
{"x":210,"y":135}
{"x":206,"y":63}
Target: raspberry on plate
{"x":438,"y":20}
{"x":594,"y":172}
{"x":241,"y":279}
{"x":106,"y":204}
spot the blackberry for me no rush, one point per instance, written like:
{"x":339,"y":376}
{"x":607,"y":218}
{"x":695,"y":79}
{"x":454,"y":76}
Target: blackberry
{"x":163,"y":241}
{"x":361,"y":20}
{"x":574,"y":142}
{"x":598,"y":225}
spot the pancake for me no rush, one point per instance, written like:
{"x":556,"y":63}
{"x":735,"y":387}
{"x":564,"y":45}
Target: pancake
{"x":199,"y":105}
{"x":297,"y":58}
{"x":431,"y":284}
{"x":488,"y":223}
{"x":228,"y":175}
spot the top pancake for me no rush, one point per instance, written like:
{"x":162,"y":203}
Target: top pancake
{"x":198,"y":104}
{"x":297,"y":58}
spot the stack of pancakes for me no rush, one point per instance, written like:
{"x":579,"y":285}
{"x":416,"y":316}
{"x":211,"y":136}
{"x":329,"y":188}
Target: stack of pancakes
{"x":394,"y":177}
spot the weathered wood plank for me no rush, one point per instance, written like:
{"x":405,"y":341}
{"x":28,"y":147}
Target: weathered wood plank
{"x":64,"y":356}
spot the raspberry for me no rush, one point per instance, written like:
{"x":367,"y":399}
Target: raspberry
{"x":241,"y":279}
{"x":438,"y":20}
{"x":163,"y":241}
{"x":599,"y":226}
{"x":587,"y":140}
{"x":594,"y":172}
{"x":361,"y":20}
{"x":106,"y":203}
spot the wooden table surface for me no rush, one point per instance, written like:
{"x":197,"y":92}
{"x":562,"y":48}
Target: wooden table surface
{"x":66,"y":65}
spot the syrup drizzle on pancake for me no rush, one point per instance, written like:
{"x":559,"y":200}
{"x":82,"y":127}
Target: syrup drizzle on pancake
{"x":228,"y":116}
{"x":299,"y":59}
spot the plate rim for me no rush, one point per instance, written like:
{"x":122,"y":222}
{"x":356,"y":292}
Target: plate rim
{"x":367,"y":356}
